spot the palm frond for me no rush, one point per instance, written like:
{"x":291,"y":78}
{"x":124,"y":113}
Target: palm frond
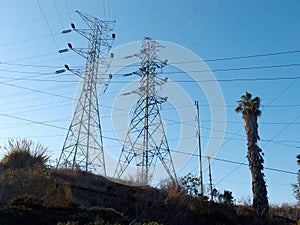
{"x":248,"y":95}
{"x":249,"y":105}
{"x":238,"y":109}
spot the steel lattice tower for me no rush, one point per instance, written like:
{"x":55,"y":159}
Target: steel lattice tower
{"x":146,"y":139}
{"x":83,"y":146}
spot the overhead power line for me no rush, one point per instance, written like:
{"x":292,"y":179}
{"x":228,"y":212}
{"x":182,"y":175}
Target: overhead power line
{"x":235,"y":162}
{"x":245,"y":56}
{"x":25,"y":40}
{"x":50,"y":30}
{"x":177,"y":81}
{"x":225,"y":58}
{"x":188,"y":61}
{"x":227,"y":80}
{"x":33,"y":121}
{"x":36,"y":90}
{"x":232,"y":69}
{"x":120,"y":141}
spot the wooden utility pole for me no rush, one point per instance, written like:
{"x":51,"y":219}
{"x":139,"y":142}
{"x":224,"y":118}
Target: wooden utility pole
{"x":199,"y":149}
{"x":210,"y":180}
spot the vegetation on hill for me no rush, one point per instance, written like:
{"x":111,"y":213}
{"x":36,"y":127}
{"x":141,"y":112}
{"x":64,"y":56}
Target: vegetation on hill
{"x":31,"y":192}
{"x":22,"y":154}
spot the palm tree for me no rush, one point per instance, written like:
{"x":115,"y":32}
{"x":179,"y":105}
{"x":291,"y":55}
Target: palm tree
{"x":250,"y":111}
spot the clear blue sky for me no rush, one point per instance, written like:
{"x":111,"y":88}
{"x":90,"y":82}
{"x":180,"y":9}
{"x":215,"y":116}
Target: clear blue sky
{"x":37,"y":104}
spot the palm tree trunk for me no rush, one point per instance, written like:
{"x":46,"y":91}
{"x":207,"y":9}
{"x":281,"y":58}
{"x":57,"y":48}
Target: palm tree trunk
{"x":255,"y":159}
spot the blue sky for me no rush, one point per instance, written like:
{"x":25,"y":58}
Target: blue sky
{"x":37,"y":104}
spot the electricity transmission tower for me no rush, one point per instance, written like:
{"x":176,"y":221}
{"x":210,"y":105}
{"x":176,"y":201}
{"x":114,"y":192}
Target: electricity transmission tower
{"x":83,"y":146}
{"x":146,"y":139}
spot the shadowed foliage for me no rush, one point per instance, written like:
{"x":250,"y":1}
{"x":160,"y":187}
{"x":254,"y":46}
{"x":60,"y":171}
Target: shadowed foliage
{"x":23,"y":154}
{"x":296,"y":186}
{"x":24,"y":174}
{"x":29,"y":191}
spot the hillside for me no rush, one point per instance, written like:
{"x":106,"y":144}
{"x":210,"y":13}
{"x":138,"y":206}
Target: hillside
{"x":50,"y":196}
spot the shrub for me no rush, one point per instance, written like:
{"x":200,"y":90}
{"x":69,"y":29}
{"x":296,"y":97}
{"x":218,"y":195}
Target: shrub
{"x":51,"y":191}
{"x":147,"y":223}
{"x":23,"y":154}
{"x":175,"y":194}
{"x":106,"y":214}
{"x":26,"y":201}
{"x":244,"y":211}
{"x":68,"y":223}
{"x":226,"y":197}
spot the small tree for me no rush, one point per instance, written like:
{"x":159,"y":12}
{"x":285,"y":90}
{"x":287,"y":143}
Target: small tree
{"x":191,"y":184}
{"x":226,"y":197}
{"x":215,"y":194}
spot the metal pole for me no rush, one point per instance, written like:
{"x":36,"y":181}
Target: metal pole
{"x":199,"y":148}
{"x":210,"y":180}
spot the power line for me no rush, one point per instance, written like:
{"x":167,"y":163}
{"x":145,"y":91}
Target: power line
{"x":27,"y":72}
{"x":34,"y":136}
{"x":277,"y":142}
{"x":29,"y":65}
{"x":41,"y":107}
{"x":60,"y":19}
{"x":39,"y":80}
{"x":189,"y":123}
{"x":235,"y":134}
{"x":222,"y":69}
{"x":253,"y":67}
{"x":234,"y":69}
{"x":36,"y":90}
{"x":244,"y":57}
{"x":48,"y":25}
{"x":226,"y":80}
{"x":220,"y":159}
{"x":273,"y":100}
{"x":176,"y":151}
{"x":29,"y":92}
{"x":30,"y":57}
{"x":25,"y":40}
{"x":235,"y":162}
{"x":178,"y":81}
{"x":68,"y":10}
{"x":225,"y":58}
{"x":32,"y":121}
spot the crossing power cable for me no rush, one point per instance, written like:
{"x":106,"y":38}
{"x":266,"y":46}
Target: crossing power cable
{"x":172,"y":150}
{"x":197,"y":61}
{"x":49,"y":28}
{"x":235,"y":162}
{"x":273,"y":100}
